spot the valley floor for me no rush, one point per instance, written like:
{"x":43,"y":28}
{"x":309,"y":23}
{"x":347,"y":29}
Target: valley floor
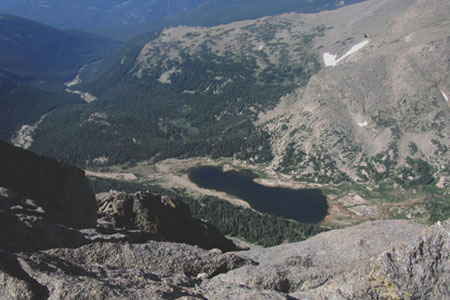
{"x":349,"y":203}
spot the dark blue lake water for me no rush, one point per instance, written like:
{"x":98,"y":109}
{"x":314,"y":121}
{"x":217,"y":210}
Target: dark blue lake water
{"x":306,"y":205}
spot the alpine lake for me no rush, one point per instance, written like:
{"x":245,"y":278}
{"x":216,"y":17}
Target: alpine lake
{"x":304,"y":205}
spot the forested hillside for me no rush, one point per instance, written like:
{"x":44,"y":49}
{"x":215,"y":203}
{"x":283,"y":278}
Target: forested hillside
{"x":183,"y":93}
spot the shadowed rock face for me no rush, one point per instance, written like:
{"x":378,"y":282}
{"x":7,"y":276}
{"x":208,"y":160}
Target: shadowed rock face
{"x":61,"y":190}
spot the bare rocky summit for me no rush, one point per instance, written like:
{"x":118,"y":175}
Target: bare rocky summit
{"x":375,"y":260}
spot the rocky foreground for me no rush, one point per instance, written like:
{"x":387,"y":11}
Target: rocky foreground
{"x":383,"y":259}
{"x":139,"y":248}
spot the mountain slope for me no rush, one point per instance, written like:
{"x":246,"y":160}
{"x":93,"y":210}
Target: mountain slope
{"x":381,"y":113}
{"x":212,"y":12}
{"x":186,"y":92}
{"x":354,"y":99}
{"x":200,"y":91}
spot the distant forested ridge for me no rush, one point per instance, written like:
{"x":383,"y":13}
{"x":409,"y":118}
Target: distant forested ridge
{"x":120,"y":19}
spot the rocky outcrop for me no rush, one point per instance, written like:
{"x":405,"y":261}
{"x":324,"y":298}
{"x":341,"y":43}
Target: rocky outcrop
{"x":335,"y":264}
{"x":43,"y":202}
{"x":61,"y":190}
{"x":155,"y":270}
{"x":168,"y":219}
{"x":376,"y":260}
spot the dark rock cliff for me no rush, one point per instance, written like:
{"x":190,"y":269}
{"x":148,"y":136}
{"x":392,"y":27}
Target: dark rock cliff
{"x":61,"y":190}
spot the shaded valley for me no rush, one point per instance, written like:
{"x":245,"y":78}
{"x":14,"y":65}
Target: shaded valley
{"x":35,"y":61}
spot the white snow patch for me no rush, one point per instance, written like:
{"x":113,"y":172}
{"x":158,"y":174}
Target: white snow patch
{"x":122,"y":5}
{"x":444,"y":95}
{"x":23,"y":137}
{"x":354,"y":49}
{"x":408,"y":37}
{"x":330,"y":59}
{"x":363,"y":124}
{"x":77,"y":78}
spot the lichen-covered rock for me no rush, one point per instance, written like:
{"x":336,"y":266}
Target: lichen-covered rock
{"x":61,"y":190}
{"x":168,"y":219}
{"x":420,"y":271}
{"x":340,"y":264}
